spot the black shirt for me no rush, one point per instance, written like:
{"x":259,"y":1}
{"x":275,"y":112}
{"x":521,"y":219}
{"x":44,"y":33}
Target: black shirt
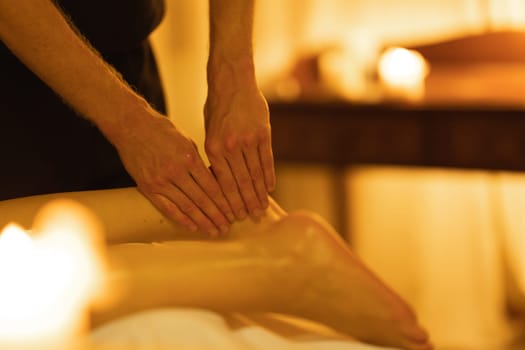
{"x":45,"y":146}
{"x":114,"y":25}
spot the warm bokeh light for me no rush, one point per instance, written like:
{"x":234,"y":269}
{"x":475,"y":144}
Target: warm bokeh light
{"x":347,"y":75}
{"x":399,"y":66}
{"x":506,"y":14}
{"x":403,"y":72}
{"x":48,"y":278}
{"x":16,"y":302}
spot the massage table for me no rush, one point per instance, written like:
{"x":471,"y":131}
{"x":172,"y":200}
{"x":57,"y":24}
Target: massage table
{"x":192,"y":329}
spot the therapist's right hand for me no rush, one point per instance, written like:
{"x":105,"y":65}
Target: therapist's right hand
{"x":169,"y":171}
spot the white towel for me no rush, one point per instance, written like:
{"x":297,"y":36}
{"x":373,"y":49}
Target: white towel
{"x":194,"y":329}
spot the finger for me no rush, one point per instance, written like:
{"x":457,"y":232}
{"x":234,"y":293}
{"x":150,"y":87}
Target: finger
{"x":251,"y":155}
{"x":170,"y":210}
{"x":207,"y":216}
{"x":266,"y":156}
{"x":190,"y":209}
{"x":224,"y":175}
{"x":244,"y":182}
{"x":209,"y":185}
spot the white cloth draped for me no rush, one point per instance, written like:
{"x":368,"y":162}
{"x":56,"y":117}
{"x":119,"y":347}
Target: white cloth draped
{"x":189,"y":329}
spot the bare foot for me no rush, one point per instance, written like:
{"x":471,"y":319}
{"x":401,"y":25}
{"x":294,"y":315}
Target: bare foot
{"x":337,"y":289}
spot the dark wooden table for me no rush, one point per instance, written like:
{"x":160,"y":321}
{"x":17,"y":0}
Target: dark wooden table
{"x":342,"y":134}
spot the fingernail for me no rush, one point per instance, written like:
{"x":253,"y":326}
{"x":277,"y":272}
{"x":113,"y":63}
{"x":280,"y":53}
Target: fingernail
{"x":265,"y":203}
{"x":193,"y":228}
{"x":213,"y":232}
{"x":242,"y":214}
{"x":257,"y":213}
{"x":224,"y":229}
{"x":230,"y":217}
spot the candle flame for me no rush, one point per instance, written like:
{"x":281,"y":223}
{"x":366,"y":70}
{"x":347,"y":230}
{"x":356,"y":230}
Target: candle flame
{"x":48,"y":279}
{"x":402,"y":68}
{"x":403,"y":73}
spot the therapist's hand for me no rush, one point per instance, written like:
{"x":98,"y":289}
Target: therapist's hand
{"x":239,"y":147}
{"x":168,"y":170}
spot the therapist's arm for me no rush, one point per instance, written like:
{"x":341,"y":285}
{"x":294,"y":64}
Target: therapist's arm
{"x":163,"y":160}
{"x":238,"y":138}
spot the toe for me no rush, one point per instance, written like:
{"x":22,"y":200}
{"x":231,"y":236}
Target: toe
{"x":415,"y":333}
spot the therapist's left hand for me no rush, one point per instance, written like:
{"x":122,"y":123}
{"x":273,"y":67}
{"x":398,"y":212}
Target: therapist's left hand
{"x":239,"y":147}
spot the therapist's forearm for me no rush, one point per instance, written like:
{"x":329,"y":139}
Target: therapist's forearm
{"x":41,"y":37}
{"x":231,"y":47}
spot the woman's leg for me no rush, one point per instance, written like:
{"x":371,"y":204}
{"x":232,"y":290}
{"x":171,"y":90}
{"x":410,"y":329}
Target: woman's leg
{"x":291,"y":264}
{"x":126,"y":215}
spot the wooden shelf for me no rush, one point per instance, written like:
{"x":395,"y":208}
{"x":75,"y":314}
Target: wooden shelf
{"x":343,"y":134}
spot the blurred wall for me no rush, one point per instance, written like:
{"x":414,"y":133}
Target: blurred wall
{"x":181,"y":46}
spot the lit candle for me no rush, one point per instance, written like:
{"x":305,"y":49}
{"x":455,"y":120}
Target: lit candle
{"x":403,"y":74}
{"x":48,"y":278}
